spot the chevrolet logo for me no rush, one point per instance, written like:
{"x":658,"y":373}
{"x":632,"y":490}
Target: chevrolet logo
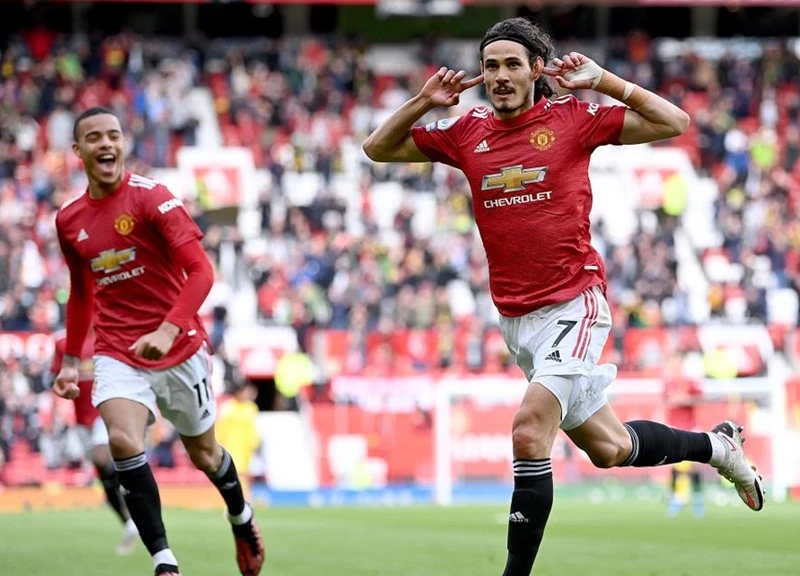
{"x":111,"y":260}
{"x":513,"y":178}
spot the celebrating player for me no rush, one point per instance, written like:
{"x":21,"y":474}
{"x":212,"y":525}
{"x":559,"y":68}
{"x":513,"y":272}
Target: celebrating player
{"x":139,"y":273}
{"x":527,"y":159}
{"x":95,"y":437}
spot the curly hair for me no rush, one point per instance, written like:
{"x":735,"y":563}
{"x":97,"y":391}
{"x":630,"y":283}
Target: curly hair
{"x":535,"y":40}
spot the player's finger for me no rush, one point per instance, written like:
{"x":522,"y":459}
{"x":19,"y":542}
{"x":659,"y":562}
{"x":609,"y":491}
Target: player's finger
{"x":448,"y":76}
{"x":474,"y":82}
{"x":551,"y":71}
{"x":458,"y":77}
{"x":568,"y":63}
{"x":441,"y":72}
{"x":154,"y":352}
{"x":63,"y":389}
{"x":577,"y":57}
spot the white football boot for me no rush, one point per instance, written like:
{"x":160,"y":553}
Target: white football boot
{"x":734,"y":468}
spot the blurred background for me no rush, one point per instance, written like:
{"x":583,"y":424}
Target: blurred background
{"x":351,"y":300}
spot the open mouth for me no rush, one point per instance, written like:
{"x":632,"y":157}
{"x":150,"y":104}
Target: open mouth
{"x":504,"y":91}
{"x":106,"y":160}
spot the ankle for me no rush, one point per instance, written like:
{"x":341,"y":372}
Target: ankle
{"x":164,"y":556}
{"x":243,"y":517}
{"x":719,"y":451}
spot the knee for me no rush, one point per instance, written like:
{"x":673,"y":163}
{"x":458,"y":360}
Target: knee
{"x":206,"y":456}
{"x":124,"y":443}
{"x":532,"y":434}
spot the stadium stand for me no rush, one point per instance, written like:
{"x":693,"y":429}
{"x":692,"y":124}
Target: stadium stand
{"x":361,"y":260}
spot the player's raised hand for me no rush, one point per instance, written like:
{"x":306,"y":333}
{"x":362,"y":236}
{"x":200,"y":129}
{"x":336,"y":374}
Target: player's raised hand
{"x":66,"y":383}
{"x":575,"y":71}
{"x":156,"y":344}
{"x":445,"y":87}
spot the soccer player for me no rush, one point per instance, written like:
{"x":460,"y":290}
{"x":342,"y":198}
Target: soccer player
{"x":95,"y":437}
{"x":139,"y":273}
{"x":526,"y":158}
{"x":237,"y":426}
{"x":682,"y":395}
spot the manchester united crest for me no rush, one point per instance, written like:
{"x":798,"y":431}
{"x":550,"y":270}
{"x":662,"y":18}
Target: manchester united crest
{"x":123,"y":224}
{"x":542,"y":138}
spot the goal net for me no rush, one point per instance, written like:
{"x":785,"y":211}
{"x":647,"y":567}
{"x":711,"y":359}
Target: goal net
{"x":473,"y":419}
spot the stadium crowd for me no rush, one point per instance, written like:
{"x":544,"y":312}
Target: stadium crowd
{"x":293,"y":104}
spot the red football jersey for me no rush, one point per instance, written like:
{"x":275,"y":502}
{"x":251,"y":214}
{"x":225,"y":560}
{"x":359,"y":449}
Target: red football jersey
{"x":85,"y":412}
{"x":125,"y":240}
{"x":682,"y":396}
{"x":531,"y":194}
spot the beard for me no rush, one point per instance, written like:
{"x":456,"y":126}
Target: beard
{"x":506,"y":107}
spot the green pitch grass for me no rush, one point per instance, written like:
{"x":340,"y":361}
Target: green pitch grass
{"x":610,"y":539}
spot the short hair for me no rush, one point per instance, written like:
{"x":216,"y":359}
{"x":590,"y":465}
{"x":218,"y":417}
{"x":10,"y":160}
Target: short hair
{"x":93,"y":111}
{"x":535,"y":40}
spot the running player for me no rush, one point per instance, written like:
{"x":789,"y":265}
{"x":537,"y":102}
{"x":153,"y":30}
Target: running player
{"x":526,"y":158}
{"x":139,"y":273}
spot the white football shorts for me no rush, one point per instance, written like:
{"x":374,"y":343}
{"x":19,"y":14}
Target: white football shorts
{"x":558,"y":346}
{"x":94,"y":435}
{"x":182,"y":393}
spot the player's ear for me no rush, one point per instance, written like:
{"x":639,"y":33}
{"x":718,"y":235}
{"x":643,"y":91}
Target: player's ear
{"x":76,"y":149}
{"x":536,"y":69}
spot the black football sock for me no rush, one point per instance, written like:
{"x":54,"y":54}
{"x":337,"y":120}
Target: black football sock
{"x":226,"y":479}
{"x":108,"y":476}
{"x":655,"y":444}
{"x":144,"y":503}
{"x":530,"y":509}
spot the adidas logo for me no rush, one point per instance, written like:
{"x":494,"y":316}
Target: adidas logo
{"x":82,"y":235}
{"x":517,"y":517}
{"x":482,"y":147}
{"x":481,"y":112}
{"x":205,"y":414}
{"x":554,"y":356}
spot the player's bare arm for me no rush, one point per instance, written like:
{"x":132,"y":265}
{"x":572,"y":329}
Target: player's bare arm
{"x":649,"y":117}
{"x":392,"y":141}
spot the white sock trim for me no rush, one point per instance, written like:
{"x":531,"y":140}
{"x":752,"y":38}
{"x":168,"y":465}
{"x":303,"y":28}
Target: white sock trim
{"x":164,"y":556}
{"x":719,"y":451}
{"x":130,"y":526}
{"x":242,"y":518}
